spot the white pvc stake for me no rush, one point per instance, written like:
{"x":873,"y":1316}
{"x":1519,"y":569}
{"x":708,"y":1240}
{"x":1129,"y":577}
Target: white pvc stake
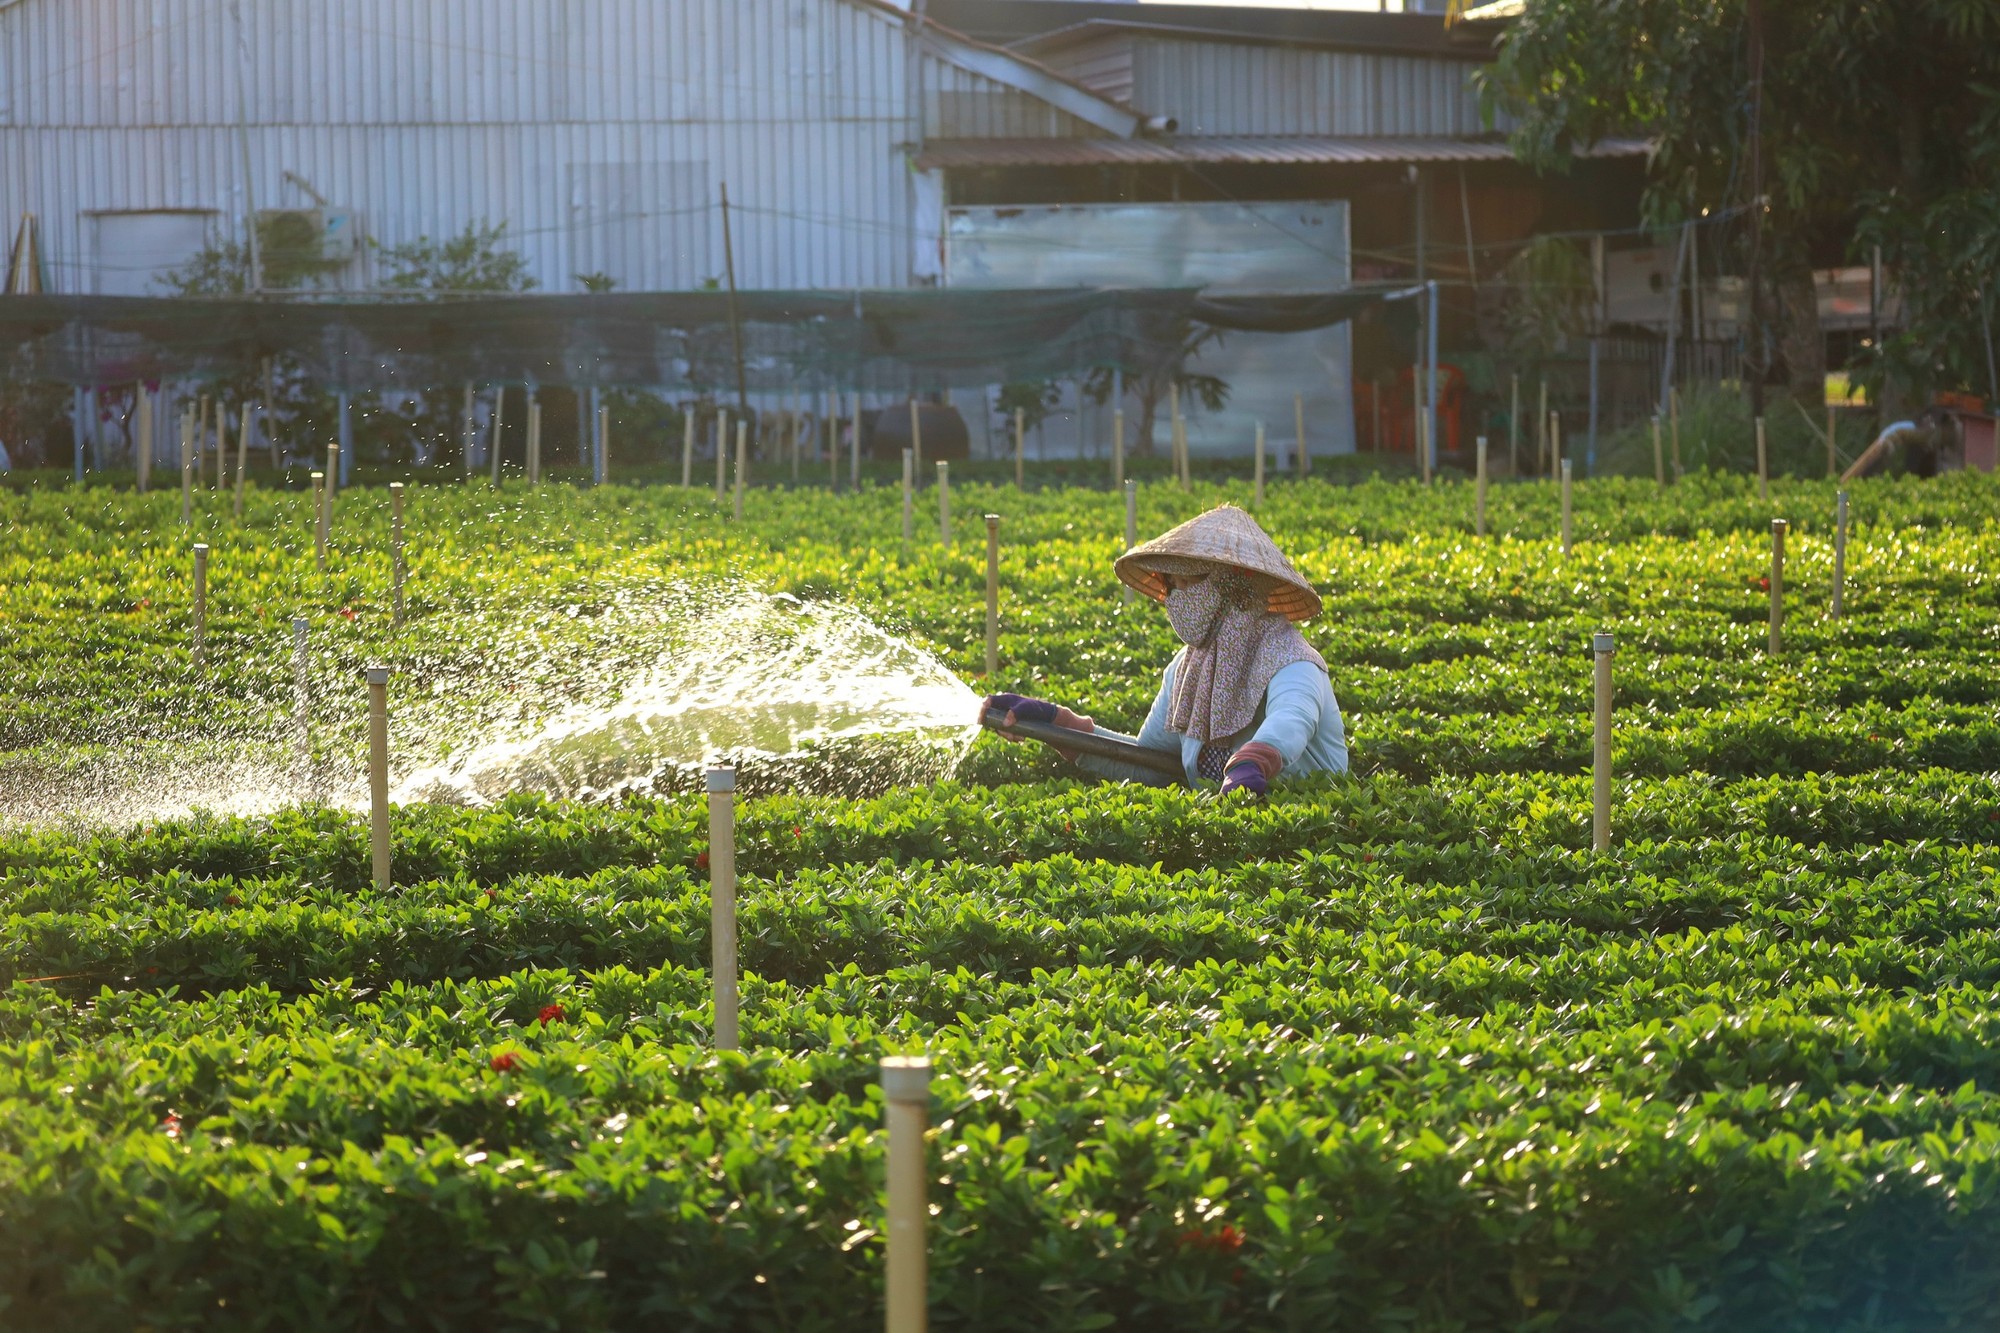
{"x":916,"y":433}
{"x":1118,"y":447}
{"x":378,"y":773}
{"x":1479,"y":493}
{"x":944,"y":503}
{"x":1778,"y":526}
{"x":909,"y":510}
{"x":187,"y":471}
{"x":1763,"y":465}
{"x":302,"y":707}
{"x":242,"y":458}
{"x":992,"y":595}
{"x":742,"y":463}
{"x":906,"y":1095}
{"x":1020,"y":445}
{"x":1839,"y":551}
{"x":687,"y":449}
{"x":1600,"y":823}
{"x":200,"y":646}
{"x":722,"y":901}
{"x":319,"y":519}
{"x":1566,"y":506}
{"x":1257,"y":472}
{"x":721,"y":457}
{"x":396,"y":554}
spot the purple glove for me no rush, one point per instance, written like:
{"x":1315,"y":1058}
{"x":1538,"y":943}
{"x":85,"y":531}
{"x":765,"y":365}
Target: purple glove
{"x":1244,"y":775}
{"x":1023,"y":707}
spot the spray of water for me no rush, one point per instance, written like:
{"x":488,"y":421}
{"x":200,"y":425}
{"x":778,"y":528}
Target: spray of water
{"x":635,"y":691}
{"x":800,"y":689}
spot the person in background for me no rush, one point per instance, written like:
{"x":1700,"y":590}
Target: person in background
{"x":1246,"y":700}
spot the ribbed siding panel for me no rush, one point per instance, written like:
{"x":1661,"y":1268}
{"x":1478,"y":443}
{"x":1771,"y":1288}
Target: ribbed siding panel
{"x":425,"y":117}
{"x":1245,"y":89}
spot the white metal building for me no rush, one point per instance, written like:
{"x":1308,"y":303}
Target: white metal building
{"x":601,"y":132}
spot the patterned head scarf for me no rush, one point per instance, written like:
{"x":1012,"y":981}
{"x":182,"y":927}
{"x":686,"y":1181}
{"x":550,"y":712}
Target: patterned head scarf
{"x":1233,"y":646}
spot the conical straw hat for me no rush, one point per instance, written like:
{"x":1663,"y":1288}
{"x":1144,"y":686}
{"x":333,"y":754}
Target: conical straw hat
{"x":1224,"y":535}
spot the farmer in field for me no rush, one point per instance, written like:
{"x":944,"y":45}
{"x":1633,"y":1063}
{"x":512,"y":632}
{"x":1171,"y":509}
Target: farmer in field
{"x":1247,"y":699}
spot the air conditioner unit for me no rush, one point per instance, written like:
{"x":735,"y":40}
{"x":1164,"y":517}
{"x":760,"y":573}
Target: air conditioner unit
{"x":312,"y":236}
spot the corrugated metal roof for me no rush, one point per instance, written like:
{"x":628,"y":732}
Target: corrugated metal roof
{"x":1270,"y":150}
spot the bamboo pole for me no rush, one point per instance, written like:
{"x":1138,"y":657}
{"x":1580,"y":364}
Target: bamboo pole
{"x":742,"y":464}
{"x":221,"y":444}
{"x":687,"y":448}
{"x":792,"y":434}
{"x":1555,"y":445}
{"x":602,"y":471}
{"x":187,"y":470}
{"x":1303,"y":463}
{"x":1542,"y":430}
{"x":1763,"y":464}
{"x":1832,"y":465}
{"x":721,"y":455}
{"x":144,"y":462}
{"x":332,"y":487}
{"x":1479,"y":500}
{"x":242,"y":458}
{"x":301,"y":709}
{"x":1674,"y":428}
{"x":465,"y":430}
{"x":319,"y":519}
{"x":1514,"y":425}
{"x":1423,"y":420}
{"x":906,"y":1082}
{"x":1839,"y":551}
{"x":1257,"y":484}
{"x":722,"y":902}
{"x":1179,"y":435}
{"x":944,"y":503}
{"x":396,"y":564}
{"x":1600,"y":823}
{"x":499,"y":426}
{"x":992,"y":595}
{"x":1131,"y":523}
{"x":916,"y":433}
{"x":854,"y":446}
{"x":832,"y":441}
{"x":1020,"y":446}
{"x":1778,"y":526}
{"x":1659,"y":456}
{"x":909,"y":502}
{"x":534,"y":440}
{"x":1118,"y":446}
{"x":199,"y":651}
{"x":1566,"y":525}
{"x":270,"y":402}
{"x":378,"y":774}
{"x":200,"y":435}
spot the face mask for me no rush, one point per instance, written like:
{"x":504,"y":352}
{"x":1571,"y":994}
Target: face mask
{"x":1194,"y":611}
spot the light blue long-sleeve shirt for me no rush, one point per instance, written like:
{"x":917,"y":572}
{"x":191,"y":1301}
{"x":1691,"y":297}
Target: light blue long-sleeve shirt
{"x":1300,"y":719}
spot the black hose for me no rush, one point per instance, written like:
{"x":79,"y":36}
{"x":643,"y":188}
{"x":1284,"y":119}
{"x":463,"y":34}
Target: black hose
{"x":1088,"y":742}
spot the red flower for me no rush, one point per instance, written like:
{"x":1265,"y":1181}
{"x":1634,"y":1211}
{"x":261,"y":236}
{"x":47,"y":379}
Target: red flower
{"x":233,"y":900}
{"x":551,"y":1013}
{"x":1368,"y":856}
{"x":1226,"y":1241}
{"x":172,"y":1124}
{"x":347,"y":613}
{"x":142,"y":604}
{"x":1765,"y":584}
{"x":701,"y":861}
{"x":796,"y":833}
{"x":504,"y":1061}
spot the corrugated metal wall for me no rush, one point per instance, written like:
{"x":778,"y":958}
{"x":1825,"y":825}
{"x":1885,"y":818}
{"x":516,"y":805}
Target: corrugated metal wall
{"x":599,"y":132}
{"x":1232,"y":88}
{"x":1101,"y":64}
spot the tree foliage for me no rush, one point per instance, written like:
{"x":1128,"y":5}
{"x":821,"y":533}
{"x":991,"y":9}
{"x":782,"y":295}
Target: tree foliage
{"x":1876,"y":127}
{"x":475,"y":260}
